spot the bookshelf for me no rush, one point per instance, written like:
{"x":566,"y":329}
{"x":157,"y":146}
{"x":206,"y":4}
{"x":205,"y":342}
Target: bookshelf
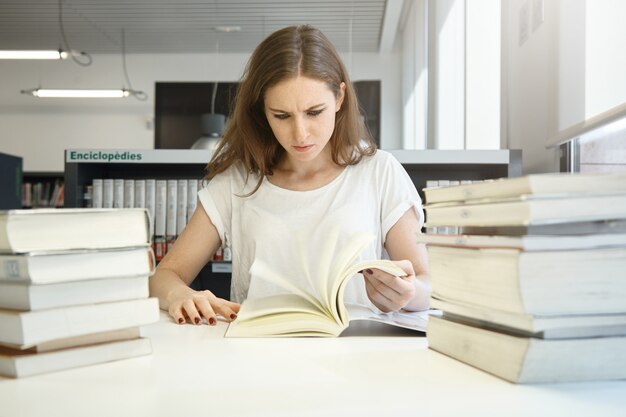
{"x":83,"y":165}
{"x":459,"y":165}
{"x":42,"y":189}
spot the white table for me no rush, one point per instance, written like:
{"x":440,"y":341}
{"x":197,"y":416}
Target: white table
{"x":195,"y":372}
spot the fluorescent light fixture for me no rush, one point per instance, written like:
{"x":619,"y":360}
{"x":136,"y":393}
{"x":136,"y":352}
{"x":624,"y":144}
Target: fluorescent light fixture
{"x":58,"y":93}
{"x":52,"y":54}
{"x":228,"y":29}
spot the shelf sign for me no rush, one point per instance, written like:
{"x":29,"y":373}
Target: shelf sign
{"x":125,"y":156}
{"x":103,"y":156}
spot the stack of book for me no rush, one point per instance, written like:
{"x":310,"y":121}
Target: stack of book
{"x":73,"y":288}
{"x":533,"y":288}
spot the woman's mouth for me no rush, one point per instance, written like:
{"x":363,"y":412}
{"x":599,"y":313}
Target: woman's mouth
{"x":303,"y":148}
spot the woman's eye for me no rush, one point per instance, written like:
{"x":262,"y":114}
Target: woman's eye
{"x":315,"y":112}
{"x":281,"y":116}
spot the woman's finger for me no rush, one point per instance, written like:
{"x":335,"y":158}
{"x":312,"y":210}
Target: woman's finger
{"x":190,"y":309}
{"x":176,"y":313}
{"x":205,"y":308}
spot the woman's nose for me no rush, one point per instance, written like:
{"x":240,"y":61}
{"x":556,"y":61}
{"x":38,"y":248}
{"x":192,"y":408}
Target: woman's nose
{"x":300,"y":129}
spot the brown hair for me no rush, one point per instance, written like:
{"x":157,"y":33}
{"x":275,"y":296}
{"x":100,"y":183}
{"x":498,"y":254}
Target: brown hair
{"x":289,"y":52}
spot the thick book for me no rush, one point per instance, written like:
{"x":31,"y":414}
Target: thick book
{"x":538,"y":184}
{"x":526,"y":243}
{"x":297,"y":312}
{"x":589,"y":281}
{"x":17,"y":296}
{"x":526,"y":359}
{"x":75,"y":265}
{"x":65,"y":229}
{"x":575,"y":228}
{"x":542,"y":327}
{"x":75,"y":341}
{"x":24,"y":364}
{"x":33,"y":327}
{"x":529,"y":211}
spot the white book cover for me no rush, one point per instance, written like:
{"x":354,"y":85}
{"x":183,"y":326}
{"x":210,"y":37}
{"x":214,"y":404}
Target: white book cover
{"x":75,"y":265}
{"x":129,"y":193}
{"x":42,"y":230}
{"x":26,"y":328}
{"x":172,"y":205}
{"x":118,"y":193}
{"x":192,"y":197}
{"x":17,"y":296}
{"x":140,"y":193}
{"x":181,"y":209}
{"x":160,"y":208}
{"x":151,"y":202}
{"x":97,"y":192}
{"x":107,"y":193}
{"x":29,"y":364}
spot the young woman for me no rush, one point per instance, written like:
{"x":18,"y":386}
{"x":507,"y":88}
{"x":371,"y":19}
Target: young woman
{"x":295,"y":163}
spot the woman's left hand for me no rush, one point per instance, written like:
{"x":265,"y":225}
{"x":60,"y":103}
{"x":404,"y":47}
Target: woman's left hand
{"x":389,"y":292}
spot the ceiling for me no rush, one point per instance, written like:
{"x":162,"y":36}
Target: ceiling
{"x":186,"y":26}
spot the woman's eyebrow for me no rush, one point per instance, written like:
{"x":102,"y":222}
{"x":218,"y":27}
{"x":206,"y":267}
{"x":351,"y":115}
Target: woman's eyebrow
{"x":309,"y":109}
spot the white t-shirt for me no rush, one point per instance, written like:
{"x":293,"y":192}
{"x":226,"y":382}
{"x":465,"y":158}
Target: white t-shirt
{"x":276,"y":225}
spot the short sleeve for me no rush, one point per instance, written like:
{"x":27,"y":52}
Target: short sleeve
{"x":216,"y":199}
{"x":398,"y":193}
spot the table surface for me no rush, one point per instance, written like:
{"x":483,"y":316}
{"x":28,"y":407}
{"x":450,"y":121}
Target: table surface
{"x":374,"y":370}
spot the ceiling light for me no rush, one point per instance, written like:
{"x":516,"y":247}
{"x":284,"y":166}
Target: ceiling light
{"x":69,"y":93}
{"x":52,"y":54}
{"x":228,"y":29}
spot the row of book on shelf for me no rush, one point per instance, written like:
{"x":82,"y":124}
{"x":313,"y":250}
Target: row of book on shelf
{"x":42,"y":194}
{"x":73,"y":288}
{"x":532,"y":288}
{"x":442,"y":184}
{"x":170,"y":204}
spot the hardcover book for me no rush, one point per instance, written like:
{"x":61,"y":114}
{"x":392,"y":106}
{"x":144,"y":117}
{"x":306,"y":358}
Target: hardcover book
{"x":560,"y":282}
{"x":64,"y":229}
{"x":522,"y":359}
{"x":537,"y":184}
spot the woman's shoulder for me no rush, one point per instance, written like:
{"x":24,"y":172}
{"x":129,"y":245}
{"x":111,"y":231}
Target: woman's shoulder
{"x":378,"y":160}
{"x":235,"y":177}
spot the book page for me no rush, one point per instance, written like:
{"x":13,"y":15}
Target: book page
{"x":282,"y":315}
{"x":413,"y":320}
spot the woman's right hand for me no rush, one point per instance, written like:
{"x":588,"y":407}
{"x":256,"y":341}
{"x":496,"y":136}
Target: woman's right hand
{"x":186,"y":305}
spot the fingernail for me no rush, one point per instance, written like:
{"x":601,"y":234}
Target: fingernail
{"x":212,"y":321}
{"x":369,"y":271}
{"x":197,"y":320}
{"x":233,"y":316}
{"x":181,"y":320}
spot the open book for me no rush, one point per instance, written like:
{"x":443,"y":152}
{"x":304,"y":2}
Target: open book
{"x":319,"y":311}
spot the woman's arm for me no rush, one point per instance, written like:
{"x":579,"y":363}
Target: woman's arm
{"x":191,"y":252}
{"x":411,"y":292}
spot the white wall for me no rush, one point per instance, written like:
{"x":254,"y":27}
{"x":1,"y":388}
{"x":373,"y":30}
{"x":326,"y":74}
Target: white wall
{"x":532,"y":86}
{"x":40,"y":130}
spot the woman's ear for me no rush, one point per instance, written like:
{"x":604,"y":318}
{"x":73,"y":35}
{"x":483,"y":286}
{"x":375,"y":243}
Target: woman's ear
{"x":342,"y":94}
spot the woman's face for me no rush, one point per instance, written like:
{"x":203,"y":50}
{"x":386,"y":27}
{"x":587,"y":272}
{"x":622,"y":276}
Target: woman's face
{"x":301,"y":112}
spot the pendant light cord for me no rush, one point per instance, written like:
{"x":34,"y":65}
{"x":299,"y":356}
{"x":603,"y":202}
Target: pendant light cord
{"x":85,"y":60}
{"x":139,"y":95}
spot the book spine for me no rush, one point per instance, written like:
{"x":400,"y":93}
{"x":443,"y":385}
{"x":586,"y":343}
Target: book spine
{"x":140,"y":193}
{"x":151,"y":203}
{"x":160,"y":219}
{"x":97,"y":192}
{"x":118,"y":193}
{"x":181,"y":209}
{"x":192,"y":197}
{"x":129,"y":193}
{"x":14,"y":268}
{"x":172,"y":205}
{"x":107,"y":193}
